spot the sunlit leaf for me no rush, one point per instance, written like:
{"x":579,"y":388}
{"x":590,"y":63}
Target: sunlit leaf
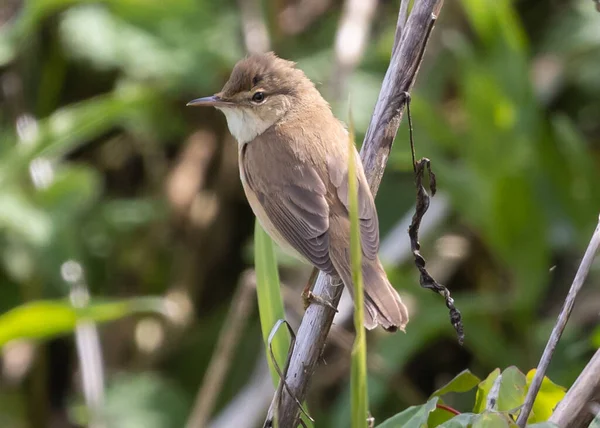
{"x":546,"y":400}
{"x":45,"y":319}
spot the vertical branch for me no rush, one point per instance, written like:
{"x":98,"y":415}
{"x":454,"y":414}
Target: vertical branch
{"x":88,"y":345}
{"x":256,"y":36}
{"x":400,"y":77}
{"x":350,"y":42}
{"x":214,"y":377}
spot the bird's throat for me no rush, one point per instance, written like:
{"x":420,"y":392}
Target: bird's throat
{"x":244,"y":124}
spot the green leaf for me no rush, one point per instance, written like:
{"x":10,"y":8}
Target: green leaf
{"x":358,"y":379}
{"x":439,"y":416}
{"x":546,"y":400}
{"x":270,"y":303}
{"x":44,"y":319}
{"x":483,"y":389}
{"x":414,"y":416}
{"x":512,"y":390}
{"x":492,"y":420}
{"x":463,"y":420}
{"x":463,"y":382}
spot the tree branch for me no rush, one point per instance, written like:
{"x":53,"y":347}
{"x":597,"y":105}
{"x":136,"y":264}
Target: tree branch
{"x":399,"y":78}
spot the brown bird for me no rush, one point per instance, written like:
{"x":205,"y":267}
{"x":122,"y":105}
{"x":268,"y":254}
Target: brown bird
{"x":293,"y":158}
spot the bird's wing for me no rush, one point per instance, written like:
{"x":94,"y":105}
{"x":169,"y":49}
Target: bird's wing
{"x":367,"y":213}
{"x":296,"y":205}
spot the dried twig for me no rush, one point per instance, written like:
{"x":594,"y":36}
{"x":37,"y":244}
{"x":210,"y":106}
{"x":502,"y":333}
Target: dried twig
{"x":426,"y":280}
{"x":561,"y":322}
{"x":272,"y":413}
{"x":577,"y":408}
{"x":240,"y":309}
{"x":399,"y":79}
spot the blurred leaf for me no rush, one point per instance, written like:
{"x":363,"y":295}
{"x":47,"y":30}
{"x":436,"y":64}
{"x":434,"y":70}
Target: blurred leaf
{"x":145,"y":400}
{"x":70,"y":127}
{"x":546,"y":400}
{"x":270,"y":302}
{"x":358,"y":378}
{"x":73,"y":188}
{"x":20,"y":216}
{"x":463,"y":382}
{"x":44,"y":319}
{"x":13,"y":408}
{"x":414,"y":416}
{"x":483,"y":390}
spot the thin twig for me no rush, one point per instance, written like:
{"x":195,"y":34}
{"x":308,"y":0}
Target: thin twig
{"x":230,"y":334}
{"x":561,"y":322}
{"x":426,"y":280}
{"x":272,"y":413}
{"x":399,"y":79}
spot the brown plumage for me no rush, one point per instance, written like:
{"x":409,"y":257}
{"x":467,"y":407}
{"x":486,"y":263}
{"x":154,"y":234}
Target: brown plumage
{"x":293,"y":158}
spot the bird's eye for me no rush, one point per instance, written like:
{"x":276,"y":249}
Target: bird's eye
{"x":258,"y":97}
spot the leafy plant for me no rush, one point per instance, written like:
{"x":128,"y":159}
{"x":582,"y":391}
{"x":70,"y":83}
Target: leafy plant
{"x":497,"y":403}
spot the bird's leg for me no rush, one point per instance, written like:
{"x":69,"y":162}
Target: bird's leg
{"x":308,"y":297}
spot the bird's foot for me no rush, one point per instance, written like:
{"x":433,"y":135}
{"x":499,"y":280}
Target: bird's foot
{"x":309,"y":297}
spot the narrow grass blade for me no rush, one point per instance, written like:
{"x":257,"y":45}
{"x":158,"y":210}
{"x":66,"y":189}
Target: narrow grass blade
{"x":358,"y":382}
{"x":270,"y":303}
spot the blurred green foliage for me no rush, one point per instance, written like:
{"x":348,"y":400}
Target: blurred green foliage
{"x":94,"y":132}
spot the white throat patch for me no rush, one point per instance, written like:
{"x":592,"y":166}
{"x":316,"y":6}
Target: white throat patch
{"x":243,"y":124}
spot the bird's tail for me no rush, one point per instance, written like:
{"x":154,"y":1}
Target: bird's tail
{"x":383,"y":305}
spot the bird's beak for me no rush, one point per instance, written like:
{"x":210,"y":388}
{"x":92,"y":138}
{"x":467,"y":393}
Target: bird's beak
{"x":214,"y":101}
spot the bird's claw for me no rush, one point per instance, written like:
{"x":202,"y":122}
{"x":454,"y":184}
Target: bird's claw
{"x":309,"y":297}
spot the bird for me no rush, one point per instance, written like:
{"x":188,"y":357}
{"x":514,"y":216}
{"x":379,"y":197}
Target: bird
{"x":293,"y":160}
